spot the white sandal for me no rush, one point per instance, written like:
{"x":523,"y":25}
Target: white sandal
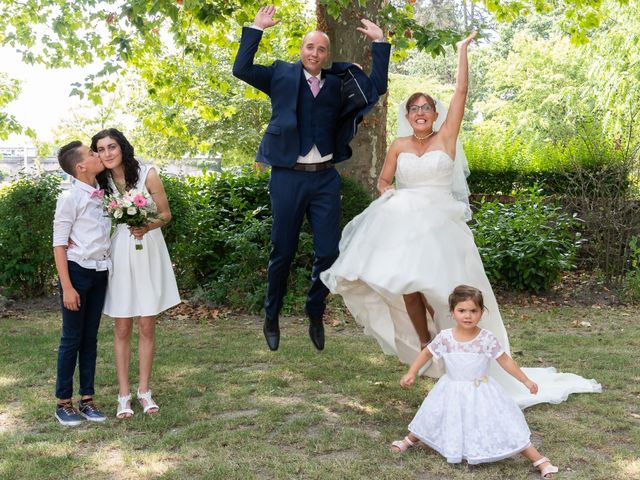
{"x":547,"y":471}
{"x":402,"y":445}
{"x":123,"y":411}
{"x":150,"y":404}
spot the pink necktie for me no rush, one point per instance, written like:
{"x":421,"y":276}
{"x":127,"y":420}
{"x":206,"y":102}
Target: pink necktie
{"x":97,"y":193}
{"x":314,"y":83}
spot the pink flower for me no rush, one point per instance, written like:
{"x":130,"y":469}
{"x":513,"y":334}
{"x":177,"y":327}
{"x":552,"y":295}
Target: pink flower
{"x":139,"y":200}
{"x":112,"y":204}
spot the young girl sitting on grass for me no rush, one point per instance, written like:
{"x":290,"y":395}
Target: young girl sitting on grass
{"x":467,"y":415}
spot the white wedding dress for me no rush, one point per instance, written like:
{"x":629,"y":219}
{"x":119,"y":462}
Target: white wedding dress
{"x":415,"y":239}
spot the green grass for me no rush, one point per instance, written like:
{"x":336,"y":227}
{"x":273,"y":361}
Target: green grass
{"x":230,"y":409}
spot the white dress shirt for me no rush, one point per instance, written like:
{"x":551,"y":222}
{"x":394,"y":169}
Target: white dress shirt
{"x":82,"y":219}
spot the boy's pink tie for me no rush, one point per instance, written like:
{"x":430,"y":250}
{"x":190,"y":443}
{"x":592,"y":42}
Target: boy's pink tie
{"x":314,"y":83}
{"x":98,"y":193}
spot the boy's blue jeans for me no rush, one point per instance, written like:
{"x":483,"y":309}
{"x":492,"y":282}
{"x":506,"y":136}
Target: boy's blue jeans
{"x":79,"y":340}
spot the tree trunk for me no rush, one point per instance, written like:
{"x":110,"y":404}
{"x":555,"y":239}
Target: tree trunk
{"x":348,"y":45}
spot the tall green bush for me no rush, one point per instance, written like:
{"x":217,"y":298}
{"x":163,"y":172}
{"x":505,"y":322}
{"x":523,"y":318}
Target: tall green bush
{"x":27,"y":207}
{"x":219,"y":238}
{"x":528,"y":244}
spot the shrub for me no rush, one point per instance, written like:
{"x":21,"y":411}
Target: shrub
{"x":27,"y":207}
{"x":178,"y":232}
{"x":525,"y":245}
{"x":605,"y":198}
{"x":219,"y":238}
{"x":506,"y":165}
{"x":241,"y":280}
{"x":632,"y":278}
{"x":355,"y":198}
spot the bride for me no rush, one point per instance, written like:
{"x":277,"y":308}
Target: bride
{"x":403,"y":255}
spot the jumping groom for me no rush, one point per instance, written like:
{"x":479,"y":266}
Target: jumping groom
{"x":314,"y":116}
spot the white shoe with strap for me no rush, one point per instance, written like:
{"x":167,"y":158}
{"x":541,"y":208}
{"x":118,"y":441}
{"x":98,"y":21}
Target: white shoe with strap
{"x":123,"y":410}
{"x":547,"y":471}
{"x":402,"y":445}
{"x":148,"y":405}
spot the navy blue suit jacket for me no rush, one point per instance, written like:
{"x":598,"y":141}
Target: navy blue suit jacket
{"x":280,"y":144}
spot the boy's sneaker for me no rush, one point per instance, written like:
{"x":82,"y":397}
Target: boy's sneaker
{"x":89,"y":411}
{"x":67,"y":415}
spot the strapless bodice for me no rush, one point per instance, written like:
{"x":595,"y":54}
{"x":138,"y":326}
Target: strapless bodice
{"x":432,"y":169}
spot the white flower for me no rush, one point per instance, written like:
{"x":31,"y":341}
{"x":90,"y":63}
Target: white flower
{"x":117,"y":213}
{"x":132,"y":211}
{"x":143,"y":212}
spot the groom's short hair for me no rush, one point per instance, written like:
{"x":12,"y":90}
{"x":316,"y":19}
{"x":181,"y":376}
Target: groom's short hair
{"x":69,"y":156}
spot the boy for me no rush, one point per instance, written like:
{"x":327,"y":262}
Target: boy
{"x":83,"y":272}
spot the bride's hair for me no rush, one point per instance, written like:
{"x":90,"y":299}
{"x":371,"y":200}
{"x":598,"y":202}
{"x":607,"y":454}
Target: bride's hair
{"x":462,"y":293}
{"x":416,"y":96}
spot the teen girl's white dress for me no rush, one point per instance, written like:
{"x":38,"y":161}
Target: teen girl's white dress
{"x":142,"y":282}
{"x":467,"y":415}
{"x":415,"y":239}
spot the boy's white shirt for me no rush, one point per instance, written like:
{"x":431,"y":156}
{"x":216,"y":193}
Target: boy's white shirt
{"x":82,"y":220}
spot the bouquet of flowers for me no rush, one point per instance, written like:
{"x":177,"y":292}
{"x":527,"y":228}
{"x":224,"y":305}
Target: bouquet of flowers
{"x":133,"y":208}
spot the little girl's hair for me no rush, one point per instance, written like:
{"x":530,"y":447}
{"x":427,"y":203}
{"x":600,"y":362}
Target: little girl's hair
{"x":463,"y":293}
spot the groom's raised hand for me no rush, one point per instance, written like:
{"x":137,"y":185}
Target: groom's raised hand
{"x":371,"y":30}
{"x":264,"y":17}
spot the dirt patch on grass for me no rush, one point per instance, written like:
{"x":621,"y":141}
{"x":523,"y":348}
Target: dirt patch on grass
{"x":577,"y":288}
{"x":18,"y":307}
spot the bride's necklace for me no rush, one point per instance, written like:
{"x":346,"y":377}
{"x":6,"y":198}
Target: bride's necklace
{"x":425,"y":137}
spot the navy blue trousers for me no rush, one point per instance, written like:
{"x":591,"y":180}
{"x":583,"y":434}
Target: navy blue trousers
{"x":295,"y":194}
{"x":79,"y":339}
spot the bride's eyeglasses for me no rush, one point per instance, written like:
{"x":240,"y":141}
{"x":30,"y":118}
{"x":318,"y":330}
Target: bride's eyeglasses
{"x":426,"y":108}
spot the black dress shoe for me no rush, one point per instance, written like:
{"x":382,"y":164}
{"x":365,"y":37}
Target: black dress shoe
{"x":272,"y":335}
{"x":316,"y":333}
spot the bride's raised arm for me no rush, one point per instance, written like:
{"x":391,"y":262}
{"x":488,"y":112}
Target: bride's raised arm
{"x":451,"y":125}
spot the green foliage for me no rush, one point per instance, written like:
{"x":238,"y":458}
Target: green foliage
{"x":9,"y":91}
{"x":540,"y":91}
{"x":525,"y":245}
{"x":26,"y":259}
{"x":614,"y":65}
{"x":585,"y":160}
{"x":632,"y":280}
{"x":180,"y":54}
{"x":219,"y":238}
{"x":208,"y":211}
{"x":216,"y":115}
{"x":354,"y":199}
{"x":240,"y":280}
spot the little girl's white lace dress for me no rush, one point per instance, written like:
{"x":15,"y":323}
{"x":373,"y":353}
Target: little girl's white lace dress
{"x":468,"y":415}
